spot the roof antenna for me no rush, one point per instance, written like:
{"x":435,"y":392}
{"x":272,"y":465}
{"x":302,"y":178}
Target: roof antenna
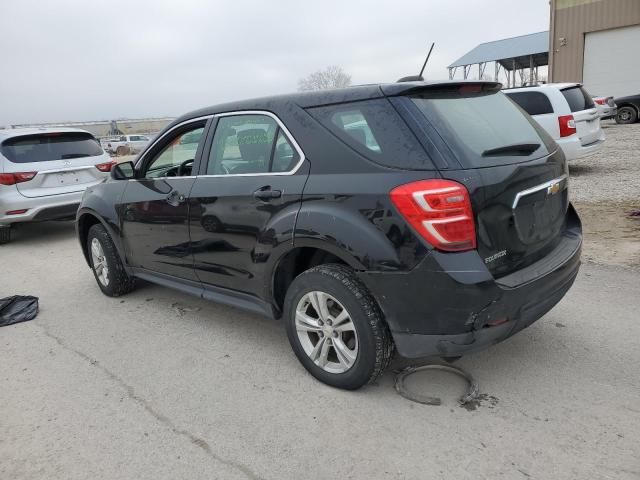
{"x":419,"y":77}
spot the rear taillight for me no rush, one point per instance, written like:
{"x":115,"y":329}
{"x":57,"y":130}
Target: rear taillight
{"x":105,"y":167}
{"x":567,"y":125}
{"x":600,"y":101}
{"x":17,"y":177}
{"x":440,"y":211}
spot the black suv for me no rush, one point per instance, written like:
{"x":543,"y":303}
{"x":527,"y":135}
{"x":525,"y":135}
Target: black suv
{"x":431,"y":218}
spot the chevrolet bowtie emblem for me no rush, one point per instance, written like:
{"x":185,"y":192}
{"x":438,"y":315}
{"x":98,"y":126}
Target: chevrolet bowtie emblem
{"x":553,"y":189}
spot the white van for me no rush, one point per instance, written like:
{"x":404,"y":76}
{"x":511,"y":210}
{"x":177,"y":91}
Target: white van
{"x":567,"y":112}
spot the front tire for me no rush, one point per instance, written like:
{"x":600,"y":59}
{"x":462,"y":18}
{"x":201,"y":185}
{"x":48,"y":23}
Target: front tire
{"x":336,"y":328}
{"x":626,"y":116}
{"x":106,"y":265}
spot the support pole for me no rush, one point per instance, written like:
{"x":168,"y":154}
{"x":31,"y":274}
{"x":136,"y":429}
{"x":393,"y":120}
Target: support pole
{"x":513,"y":62}
{"x":530,"y":69}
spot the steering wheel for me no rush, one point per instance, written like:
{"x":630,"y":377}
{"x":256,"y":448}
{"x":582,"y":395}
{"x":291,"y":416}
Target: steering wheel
{"x":183,"y":166}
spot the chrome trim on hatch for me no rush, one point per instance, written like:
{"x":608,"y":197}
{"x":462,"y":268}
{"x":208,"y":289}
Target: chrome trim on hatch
{"x":537,"y":188}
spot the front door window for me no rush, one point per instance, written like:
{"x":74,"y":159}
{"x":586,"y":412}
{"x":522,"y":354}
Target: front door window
{"x":176,"y":159}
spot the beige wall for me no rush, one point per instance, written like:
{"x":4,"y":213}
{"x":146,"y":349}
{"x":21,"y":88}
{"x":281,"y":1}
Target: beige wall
{"x":571,"y":19}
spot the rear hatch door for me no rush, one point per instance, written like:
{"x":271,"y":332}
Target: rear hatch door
{"x":64,"y":162}
{"x":515,"y":173}
{"x":585,"y":114}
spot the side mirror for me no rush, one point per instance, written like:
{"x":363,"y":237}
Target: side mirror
{"x":123,"y":171}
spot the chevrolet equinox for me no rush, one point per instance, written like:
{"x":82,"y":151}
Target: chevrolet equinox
{"x":428,"y":218}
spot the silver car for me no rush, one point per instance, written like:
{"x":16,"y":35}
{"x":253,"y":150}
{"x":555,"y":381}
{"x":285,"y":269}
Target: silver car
{"x":607,"y":108}
{"x":44,"y":172}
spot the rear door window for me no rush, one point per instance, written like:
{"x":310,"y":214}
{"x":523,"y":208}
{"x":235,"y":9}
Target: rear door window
{"x":50,"y":146}
{"x":250,"y":144}
{"x":482,"y":128}
{"x":534,"y":103}
{"x":578,"y":99}
{"x":374,"y":129}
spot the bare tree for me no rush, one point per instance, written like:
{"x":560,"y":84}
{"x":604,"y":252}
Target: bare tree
{"x":330,"y":77}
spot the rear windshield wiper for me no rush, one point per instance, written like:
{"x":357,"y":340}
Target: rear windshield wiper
{"x":72,"y":155}
{"x":515,"y":149}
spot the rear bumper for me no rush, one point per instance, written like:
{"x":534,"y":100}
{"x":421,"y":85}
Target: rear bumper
{"x":609,"y":112}
{"x":52,"y":207}
{"x":573,"y":149}
{"x":451,"y":305}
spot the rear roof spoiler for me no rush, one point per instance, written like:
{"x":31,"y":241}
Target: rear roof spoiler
{"x":409,"y":88}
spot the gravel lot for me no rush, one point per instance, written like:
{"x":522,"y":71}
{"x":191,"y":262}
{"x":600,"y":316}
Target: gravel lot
{"x":613,"y":174}
{"x":162,"y":385}
{"x":605,"y":189}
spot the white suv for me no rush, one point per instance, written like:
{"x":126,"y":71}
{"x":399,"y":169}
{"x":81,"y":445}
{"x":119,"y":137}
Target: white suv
{"x":44,"y":172}
{"x":567,"y":112}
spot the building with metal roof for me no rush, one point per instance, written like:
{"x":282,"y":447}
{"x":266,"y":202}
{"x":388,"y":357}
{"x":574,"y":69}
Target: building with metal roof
{"x":517,"y":56}
{"x":595,"y":42}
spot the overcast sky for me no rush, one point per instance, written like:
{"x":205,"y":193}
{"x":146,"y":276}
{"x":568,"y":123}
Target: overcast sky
{"x":68,"y":60}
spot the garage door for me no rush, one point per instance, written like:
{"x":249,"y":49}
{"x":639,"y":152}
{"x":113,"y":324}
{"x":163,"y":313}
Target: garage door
{"x":611,"y":64}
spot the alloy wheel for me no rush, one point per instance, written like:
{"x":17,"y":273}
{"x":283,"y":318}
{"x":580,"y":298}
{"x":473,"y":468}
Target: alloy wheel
{"x":99,"y":262}
{"x":326,"y":332}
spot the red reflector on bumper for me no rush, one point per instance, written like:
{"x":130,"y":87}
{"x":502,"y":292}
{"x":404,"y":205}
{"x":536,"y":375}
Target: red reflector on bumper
{"x":17,"y":212}
{"x":495,"y":323}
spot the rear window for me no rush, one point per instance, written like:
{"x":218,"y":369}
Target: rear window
{"x":534,"y":103}
{"x":578,"y":99}
{"x":374,"y":129}
{"x":482,"y":128}
{"x":50,"y":146}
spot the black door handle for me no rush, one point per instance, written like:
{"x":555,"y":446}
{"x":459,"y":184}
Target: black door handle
{"x":175,"y":198}
{"x":265,"y":193}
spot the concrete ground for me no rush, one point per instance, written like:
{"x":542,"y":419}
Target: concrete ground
{"x":162,"y":385}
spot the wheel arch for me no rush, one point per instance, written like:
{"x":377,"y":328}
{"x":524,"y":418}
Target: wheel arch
{"x":85,"y":219}
{"x":631,"y":105}
{"x":298,"y":259}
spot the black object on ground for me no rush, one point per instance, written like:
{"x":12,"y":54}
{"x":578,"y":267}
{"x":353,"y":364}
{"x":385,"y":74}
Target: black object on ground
{"x":472,"y":392}
{"x":17,"y":308}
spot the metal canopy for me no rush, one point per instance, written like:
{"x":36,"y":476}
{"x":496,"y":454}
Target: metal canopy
{"x":536,"y":44}
{"x":511,"y":54}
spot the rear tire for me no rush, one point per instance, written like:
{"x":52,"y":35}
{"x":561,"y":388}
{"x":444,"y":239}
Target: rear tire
{"x":5,"y":234}
{"x":626,"y":116}
{"x":106,"y":265}
{"x":360,"y":347}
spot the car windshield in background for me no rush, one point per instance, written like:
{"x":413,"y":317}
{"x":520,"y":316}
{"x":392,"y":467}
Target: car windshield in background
{"x":482,"y":129}
{"x":50,"y":146}
{"x":578,"y":99}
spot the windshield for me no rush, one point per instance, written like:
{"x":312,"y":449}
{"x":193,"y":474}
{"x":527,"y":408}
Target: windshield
{"x":483,"y":128}
{"x":50,"y":146}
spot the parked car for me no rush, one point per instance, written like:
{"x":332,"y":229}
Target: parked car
{"x":606,"y":107}
{"x":126,"y":144}
{"x":43,"y":173}
{"x":443,"y":228}
{"x":628,"y":109}
{"x":567,"y":113}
